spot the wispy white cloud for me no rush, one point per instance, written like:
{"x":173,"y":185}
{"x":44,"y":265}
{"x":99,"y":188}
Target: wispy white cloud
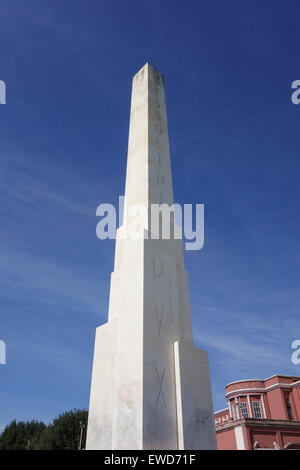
{"x":43,"y":280}
{"x":48,"y":353}
{"x":36,"y":202}
{"x":242,"y":350}
{"x":248,"y":334}
{"x":38,"y":185}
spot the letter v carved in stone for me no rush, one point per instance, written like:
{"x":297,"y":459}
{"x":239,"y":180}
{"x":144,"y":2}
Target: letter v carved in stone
{"x":158,"y":313}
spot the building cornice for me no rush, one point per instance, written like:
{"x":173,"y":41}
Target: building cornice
{"x":253,"y":422}
{"x":260,"y":390}
{"x":264,"y":380}
{"x":221,"y":411}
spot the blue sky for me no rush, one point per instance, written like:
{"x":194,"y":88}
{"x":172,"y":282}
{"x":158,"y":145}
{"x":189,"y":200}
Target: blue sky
{"x":234,"y":137}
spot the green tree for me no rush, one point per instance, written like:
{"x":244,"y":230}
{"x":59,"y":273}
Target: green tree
{"x":64,"y":433}
{"x":19,"y":436}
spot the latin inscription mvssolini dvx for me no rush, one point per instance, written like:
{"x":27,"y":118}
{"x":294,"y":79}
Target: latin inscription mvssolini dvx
{"x":150,"y":386}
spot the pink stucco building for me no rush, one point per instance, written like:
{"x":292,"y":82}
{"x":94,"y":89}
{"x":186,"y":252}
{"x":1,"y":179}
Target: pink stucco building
{"x":261,"y":414}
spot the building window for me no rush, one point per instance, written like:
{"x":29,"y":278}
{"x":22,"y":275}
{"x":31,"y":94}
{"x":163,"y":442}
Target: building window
{"x":289,"y":409}
{"x":244,"y":410}
{"x":256,"y":409}
{"x":235,"y":411}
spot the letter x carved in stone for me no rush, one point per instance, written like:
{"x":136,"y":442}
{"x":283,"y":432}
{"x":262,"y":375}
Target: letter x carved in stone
{"x":160,"y":380}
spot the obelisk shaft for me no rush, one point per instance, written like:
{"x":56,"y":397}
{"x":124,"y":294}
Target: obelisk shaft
{"x":148,"y":178}
{"x":150,"y":386}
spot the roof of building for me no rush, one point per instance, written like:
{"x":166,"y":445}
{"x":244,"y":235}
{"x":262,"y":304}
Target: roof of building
{"x":293,"y":377}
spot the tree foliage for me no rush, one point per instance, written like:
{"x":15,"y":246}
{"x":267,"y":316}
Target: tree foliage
{"x":62,"y":434}
{"x":18,"y":436}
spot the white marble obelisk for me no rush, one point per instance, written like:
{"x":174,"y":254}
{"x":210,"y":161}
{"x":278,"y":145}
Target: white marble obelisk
{"x":150,"y":386}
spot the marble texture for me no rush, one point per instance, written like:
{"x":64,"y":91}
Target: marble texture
{"x":150,"y":386}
